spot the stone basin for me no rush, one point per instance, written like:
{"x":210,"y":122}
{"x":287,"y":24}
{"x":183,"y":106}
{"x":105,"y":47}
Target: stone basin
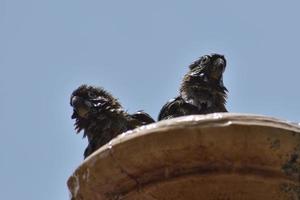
{"x":220,"y":156}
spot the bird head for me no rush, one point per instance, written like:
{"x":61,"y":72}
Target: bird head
{"x":208,"y":68}
{"x":207,"y":71}
{"x":89,"y":102}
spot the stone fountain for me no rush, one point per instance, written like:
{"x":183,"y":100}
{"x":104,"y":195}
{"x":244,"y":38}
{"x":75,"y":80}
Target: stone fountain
{"x":221,"y":156}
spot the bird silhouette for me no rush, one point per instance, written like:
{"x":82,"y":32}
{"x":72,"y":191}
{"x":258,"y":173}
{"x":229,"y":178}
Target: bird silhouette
{"x":202,"y":90}
{"x":101,"y":116}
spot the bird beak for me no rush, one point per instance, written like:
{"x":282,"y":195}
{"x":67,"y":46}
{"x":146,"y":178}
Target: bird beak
{"x":218,"y":68}
{"x":220,"y":64}
{"x":81,"y":107}
{"x":75,"y":101}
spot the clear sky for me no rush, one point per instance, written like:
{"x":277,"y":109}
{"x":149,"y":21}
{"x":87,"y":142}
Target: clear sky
{"x":139,"y":51}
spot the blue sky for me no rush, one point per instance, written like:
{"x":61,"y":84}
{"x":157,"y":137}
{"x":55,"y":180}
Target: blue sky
{"x":137,"y":50}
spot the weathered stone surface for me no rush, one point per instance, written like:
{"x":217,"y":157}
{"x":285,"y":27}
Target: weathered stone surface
{"x":212,"y":157}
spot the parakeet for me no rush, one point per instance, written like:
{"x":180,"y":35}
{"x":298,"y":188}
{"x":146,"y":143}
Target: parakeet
{"x":202,"y":90}
{"x":101,"y":116}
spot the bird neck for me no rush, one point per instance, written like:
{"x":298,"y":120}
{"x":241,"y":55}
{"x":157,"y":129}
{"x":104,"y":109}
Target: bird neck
{"x":202,"y":97}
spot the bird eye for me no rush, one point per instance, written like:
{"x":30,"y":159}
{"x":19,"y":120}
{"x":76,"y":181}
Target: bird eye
{"x":92,"y":94}
{"x":205,"y":59}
